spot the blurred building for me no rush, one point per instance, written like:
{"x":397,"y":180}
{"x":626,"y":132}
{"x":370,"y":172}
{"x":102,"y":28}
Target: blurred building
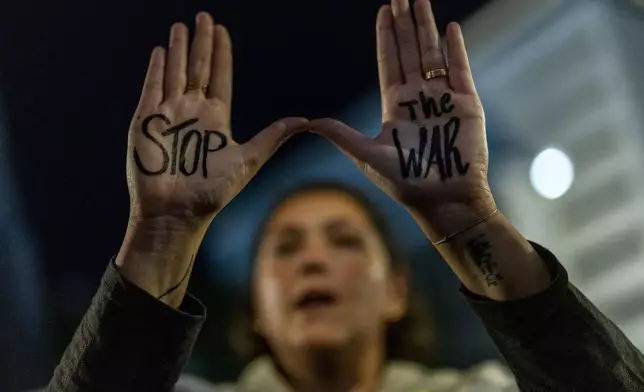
{"x":567,"y":75}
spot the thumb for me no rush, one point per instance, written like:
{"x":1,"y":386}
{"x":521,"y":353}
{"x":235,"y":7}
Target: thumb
{"x":350,"y":141}
{"x":263,"y":145}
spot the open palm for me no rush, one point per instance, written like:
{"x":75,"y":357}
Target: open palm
{"x":182,"y":161}
{"x":432,"y":147}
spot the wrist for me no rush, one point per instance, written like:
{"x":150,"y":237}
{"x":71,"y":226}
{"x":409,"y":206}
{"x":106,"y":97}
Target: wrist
{"x":158,"y":253}
{"x":161,"y":237}
{"x":439,"y":221}
{"x":163,"y":233}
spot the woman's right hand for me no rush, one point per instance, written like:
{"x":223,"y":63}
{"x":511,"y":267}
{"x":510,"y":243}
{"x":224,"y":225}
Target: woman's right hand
{"x":183,"y":166}
{"x":182,"y":162}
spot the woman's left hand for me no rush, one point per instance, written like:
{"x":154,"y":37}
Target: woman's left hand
{"x":431,"y":154}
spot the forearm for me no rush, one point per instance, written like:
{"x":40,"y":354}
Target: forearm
{"x":491,"y":259}
{"x":128,"y":341}
{"x":549,"y":334}
{"x":158,"y":256}
{"x":557,"y":340}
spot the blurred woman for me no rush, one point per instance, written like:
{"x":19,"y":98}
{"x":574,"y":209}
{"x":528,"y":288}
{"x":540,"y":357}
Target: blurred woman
{"x":327,"y":290}
{"x":329,"y":277}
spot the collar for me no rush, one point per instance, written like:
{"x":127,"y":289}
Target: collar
{"x":261,"y":375}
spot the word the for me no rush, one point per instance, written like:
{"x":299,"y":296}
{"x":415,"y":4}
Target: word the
{"x":429,"y":106}
{"x":442,"y":151}
{"x":176,"y":159}
{"x":479,"y":248}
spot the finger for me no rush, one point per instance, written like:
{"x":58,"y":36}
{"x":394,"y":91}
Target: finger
{"x":406,"y":38}
{"x":349,"y":140}
{"x":175,"y":76}
{"x":152,"y":93}
{"x":429,"y":41}
{"x":460,"y":74}
{"x":389,"y":68}
{"x":221,"y":74}
{"x":263,"y":145}
{"x":201,"y":53}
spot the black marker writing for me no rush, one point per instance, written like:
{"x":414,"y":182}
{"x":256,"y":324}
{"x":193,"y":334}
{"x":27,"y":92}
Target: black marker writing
{"x":413,"y":161}
{"x":429,"y":106}
{"x":479,"y":249}
{"x":446,"y":103}
{"x":147,"y":134}
{"x":410,"y":106}
{"x":442,"y":150}
{"x":184,"y":147}
{"x":450,"y":133}
{"x":177,"y":156}
{"x":223,"y":142}
{"x":175,"y":141}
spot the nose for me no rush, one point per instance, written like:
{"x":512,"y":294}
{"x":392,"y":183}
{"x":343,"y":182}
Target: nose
{"x":311,"y":266}
{"x":314,"y":260}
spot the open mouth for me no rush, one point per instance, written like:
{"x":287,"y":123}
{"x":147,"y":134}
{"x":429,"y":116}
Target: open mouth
{"x":316,"y":300}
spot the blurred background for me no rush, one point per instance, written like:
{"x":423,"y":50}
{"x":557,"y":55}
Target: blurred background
{"x":561,"y":82}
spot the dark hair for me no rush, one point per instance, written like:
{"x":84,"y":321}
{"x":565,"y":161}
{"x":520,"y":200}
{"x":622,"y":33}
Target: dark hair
{"x":410,"y":338}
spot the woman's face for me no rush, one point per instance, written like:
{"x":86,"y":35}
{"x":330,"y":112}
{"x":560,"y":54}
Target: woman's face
{"x":322,"y":278}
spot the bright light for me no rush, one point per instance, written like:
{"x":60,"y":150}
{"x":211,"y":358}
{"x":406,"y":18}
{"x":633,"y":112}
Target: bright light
{"x":552,"y":173}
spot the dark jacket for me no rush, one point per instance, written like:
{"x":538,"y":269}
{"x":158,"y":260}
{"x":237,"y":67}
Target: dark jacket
{"x":553,"y":341}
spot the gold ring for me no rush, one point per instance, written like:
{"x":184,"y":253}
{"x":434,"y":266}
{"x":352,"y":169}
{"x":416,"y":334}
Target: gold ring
{"x":436,"y":73}
{"x":193,"y":86}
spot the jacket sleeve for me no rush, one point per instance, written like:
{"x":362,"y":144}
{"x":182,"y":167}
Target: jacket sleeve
{"x":558,"y":340}
{"x":128,"y":341}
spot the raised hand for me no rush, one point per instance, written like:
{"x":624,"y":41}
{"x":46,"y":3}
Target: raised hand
{"x":182,"y":161}
{"x":432,"y":151}
{"x":183,"y":166}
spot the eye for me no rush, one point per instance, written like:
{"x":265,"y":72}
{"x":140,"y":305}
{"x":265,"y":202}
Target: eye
{"x":350,"y":241}
{"x":286,"y":248}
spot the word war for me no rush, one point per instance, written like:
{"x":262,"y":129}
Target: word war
{"x":442,"y":151}
{"x":176,"y":158}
